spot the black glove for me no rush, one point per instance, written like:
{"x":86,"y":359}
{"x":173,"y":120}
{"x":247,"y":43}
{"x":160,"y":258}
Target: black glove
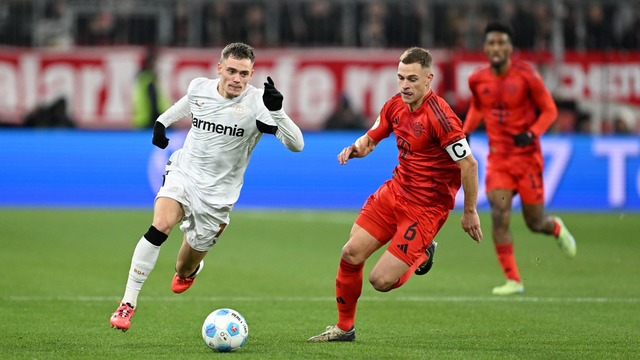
{"x":524,"y":138}
{"x":159,"y":135}
{"x":272,"y":98}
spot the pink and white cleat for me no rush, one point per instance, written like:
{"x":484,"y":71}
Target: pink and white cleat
{"x":121,"y":319}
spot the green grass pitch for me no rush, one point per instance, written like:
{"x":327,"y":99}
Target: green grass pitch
{"x":63,"y":272}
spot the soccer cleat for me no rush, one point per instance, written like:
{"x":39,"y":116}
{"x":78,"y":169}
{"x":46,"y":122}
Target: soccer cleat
{"x":426,"y":266}
{"x":334,"y":333}
{"x":180,"y":285}
{"x":565,"y":240}
{"x":511,"y":287}
{"x":121,"y":319}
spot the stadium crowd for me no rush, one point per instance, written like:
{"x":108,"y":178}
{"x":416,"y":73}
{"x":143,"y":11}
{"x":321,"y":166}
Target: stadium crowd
{"x":451,"y":24}
{"x":596,"y":24}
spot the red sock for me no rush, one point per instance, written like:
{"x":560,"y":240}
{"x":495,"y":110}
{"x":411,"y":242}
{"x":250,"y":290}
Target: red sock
{"x":508,"y":261}
{"x":348,"y":290}
{"x":556,"y":228}
{"x":405,"y":277}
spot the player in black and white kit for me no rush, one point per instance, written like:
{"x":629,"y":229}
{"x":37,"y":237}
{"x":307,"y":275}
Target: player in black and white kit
{"x":203,"y":179}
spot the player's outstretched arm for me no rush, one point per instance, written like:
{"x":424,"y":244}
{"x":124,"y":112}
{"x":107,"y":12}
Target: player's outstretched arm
{"x":176,"y":112}
{"x":473,"y":119}
{"x":361,"y":148}
{"x":288,"y":132}
{"x":547,"y":107}
{"x":470,"y":220}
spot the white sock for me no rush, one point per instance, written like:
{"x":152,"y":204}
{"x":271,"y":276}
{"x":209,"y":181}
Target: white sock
{"x":144,"y":259}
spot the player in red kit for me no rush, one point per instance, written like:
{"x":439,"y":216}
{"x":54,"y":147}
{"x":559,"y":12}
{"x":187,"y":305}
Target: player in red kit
{"x":407,"y":211}
{"x":511,"y":98}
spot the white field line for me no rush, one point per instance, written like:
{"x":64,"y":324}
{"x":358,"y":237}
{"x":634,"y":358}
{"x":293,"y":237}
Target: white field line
{"x":305,"y":216}
{"x":444,"y":299}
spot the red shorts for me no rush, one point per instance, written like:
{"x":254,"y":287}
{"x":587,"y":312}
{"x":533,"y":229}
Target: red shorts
{"x":410,"y":227}
{"x":522,"y":174}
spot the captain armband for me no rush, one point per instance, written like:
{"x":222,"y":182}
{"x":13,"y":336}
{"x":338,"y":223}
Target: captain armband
{"x":459,"y":149}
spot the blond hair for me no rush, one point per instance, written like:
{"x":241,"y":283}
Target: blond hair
{"x":417,"y":55}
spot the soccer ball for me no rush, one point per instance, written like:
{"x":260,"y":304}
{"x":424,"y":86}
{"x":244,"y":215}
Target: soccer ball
{"x":225,"y":330}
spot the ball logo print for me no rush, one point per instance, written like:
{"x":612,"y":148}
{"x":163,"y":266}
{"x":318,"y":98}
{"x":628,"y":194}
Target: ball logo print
{"x":225,"y":330}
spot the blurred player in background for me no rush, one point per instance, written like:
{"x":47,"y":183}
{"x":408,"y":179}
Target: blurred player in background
{"x":511,"y":98}
{"x":408,"y":210}
{"x":149,"y":100}
{"x":203,"y":179}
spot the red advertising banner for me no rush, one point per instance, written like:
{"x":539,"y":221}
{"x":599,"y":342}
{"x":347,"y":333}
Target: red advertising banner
{"x":98,"y":82}
{"x":612,"y":76}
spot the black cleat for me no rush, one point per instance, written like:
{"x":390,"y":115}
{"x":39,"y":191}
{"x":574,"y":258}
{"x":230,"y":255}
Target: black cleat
{"x":426,"y":266}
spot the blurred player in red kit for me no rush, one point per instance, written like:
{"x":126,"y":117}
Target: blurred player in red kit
{"x":511,"y":98}
{"x":407,"y":211}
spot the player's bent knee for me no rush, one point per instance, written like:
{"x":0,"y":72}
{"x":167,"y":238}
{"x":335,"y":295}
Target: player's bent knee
{"x":380,"y":283}
{"x":163,"y":226}
{"x":500,"y":213}
{"x":350,"y":255}
{"x":535,"y":226}
{"x":534,"y":223}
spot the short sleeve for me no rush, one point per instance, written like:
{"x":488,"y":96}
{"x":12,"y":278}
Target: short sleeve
{"x":382,"y":127}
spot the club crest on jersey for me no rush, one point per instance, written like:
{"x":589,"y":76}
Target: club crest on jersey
{"x":417,"y":129}
{"x":238,"y":111}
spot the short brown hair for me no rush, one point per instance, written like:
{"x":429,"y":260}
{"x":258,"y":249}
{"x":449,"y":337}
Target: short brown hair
{"x":238,"y":51}
{"x":417,"y":55}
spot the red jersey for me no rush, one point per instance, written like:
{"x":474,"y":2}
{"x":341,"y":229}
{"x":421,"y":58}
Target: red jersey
{"x":425,"y":173}
{"x":509,"y":105}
